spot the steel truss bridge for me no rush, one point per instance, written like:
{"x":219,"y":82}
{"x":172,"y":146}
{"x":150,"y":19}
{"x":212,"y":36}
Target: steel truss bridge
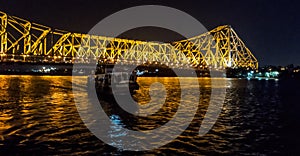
{"x":25,"y":41}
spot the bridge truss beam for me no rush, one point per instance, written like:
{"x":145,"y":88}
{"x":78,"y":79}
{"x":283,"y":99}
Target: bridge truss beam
{"x":220,"y":47}
{"x":25,"y":41}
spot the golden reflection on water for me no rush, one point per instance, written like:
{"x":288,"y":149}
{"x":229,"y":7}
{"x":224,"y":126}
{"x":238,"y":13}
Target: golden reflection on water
{"x":31,"y":101}
{"x":40,"y":111}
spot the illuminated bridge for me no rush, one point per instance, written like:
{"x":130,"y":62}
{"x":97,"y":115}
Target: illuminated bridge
{"x":25,"y":41}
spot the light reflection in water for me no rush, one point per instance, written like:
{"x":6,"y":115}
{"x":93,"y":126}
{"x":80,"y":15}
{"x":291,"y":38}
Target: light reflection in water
{"x":38,"y":116}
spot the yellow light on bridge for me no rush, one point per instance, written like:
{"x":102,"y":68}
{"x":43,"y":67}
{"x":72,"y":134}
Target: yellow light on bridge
{"x":184,"y":52}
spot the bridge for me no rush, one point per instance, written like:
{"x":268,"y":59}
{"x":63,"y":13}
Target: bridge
{"x":25,"y":41}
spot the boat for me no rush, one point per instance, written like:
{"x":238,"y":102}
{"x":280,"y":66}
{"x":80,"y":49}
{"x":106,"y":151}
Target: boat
{"x":105,"y":80}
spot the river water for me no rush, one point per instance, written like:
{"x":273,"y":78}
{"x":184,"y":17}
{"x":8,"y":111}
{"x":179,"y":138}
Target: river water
{"x":38,"y":115}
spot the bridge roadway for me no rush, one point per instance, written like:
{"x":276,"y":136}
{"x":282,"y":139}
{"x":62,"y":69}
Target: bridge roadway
{"x":24,"y":68}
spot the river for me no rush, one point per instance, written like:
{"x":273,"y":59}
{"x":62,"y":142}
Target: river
{"x":38,"y":115}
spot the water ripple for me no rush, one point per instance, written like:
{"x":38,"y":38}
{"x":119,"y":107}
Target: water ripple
{"x":38,"y":116}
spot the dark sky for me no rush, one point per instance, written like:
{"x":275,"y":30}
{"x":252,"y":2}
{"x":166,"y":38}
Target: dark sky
{"x":270,"y":28}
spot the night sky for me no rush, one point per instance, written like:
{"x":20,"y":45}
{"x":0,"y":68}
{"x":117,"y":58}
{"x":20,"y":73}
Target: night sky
{"x":270,"y":29}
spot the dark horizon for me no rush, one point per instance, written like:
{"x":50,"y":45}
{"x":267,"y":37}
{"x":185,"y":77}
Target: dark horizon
{"x":269,"y":29}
